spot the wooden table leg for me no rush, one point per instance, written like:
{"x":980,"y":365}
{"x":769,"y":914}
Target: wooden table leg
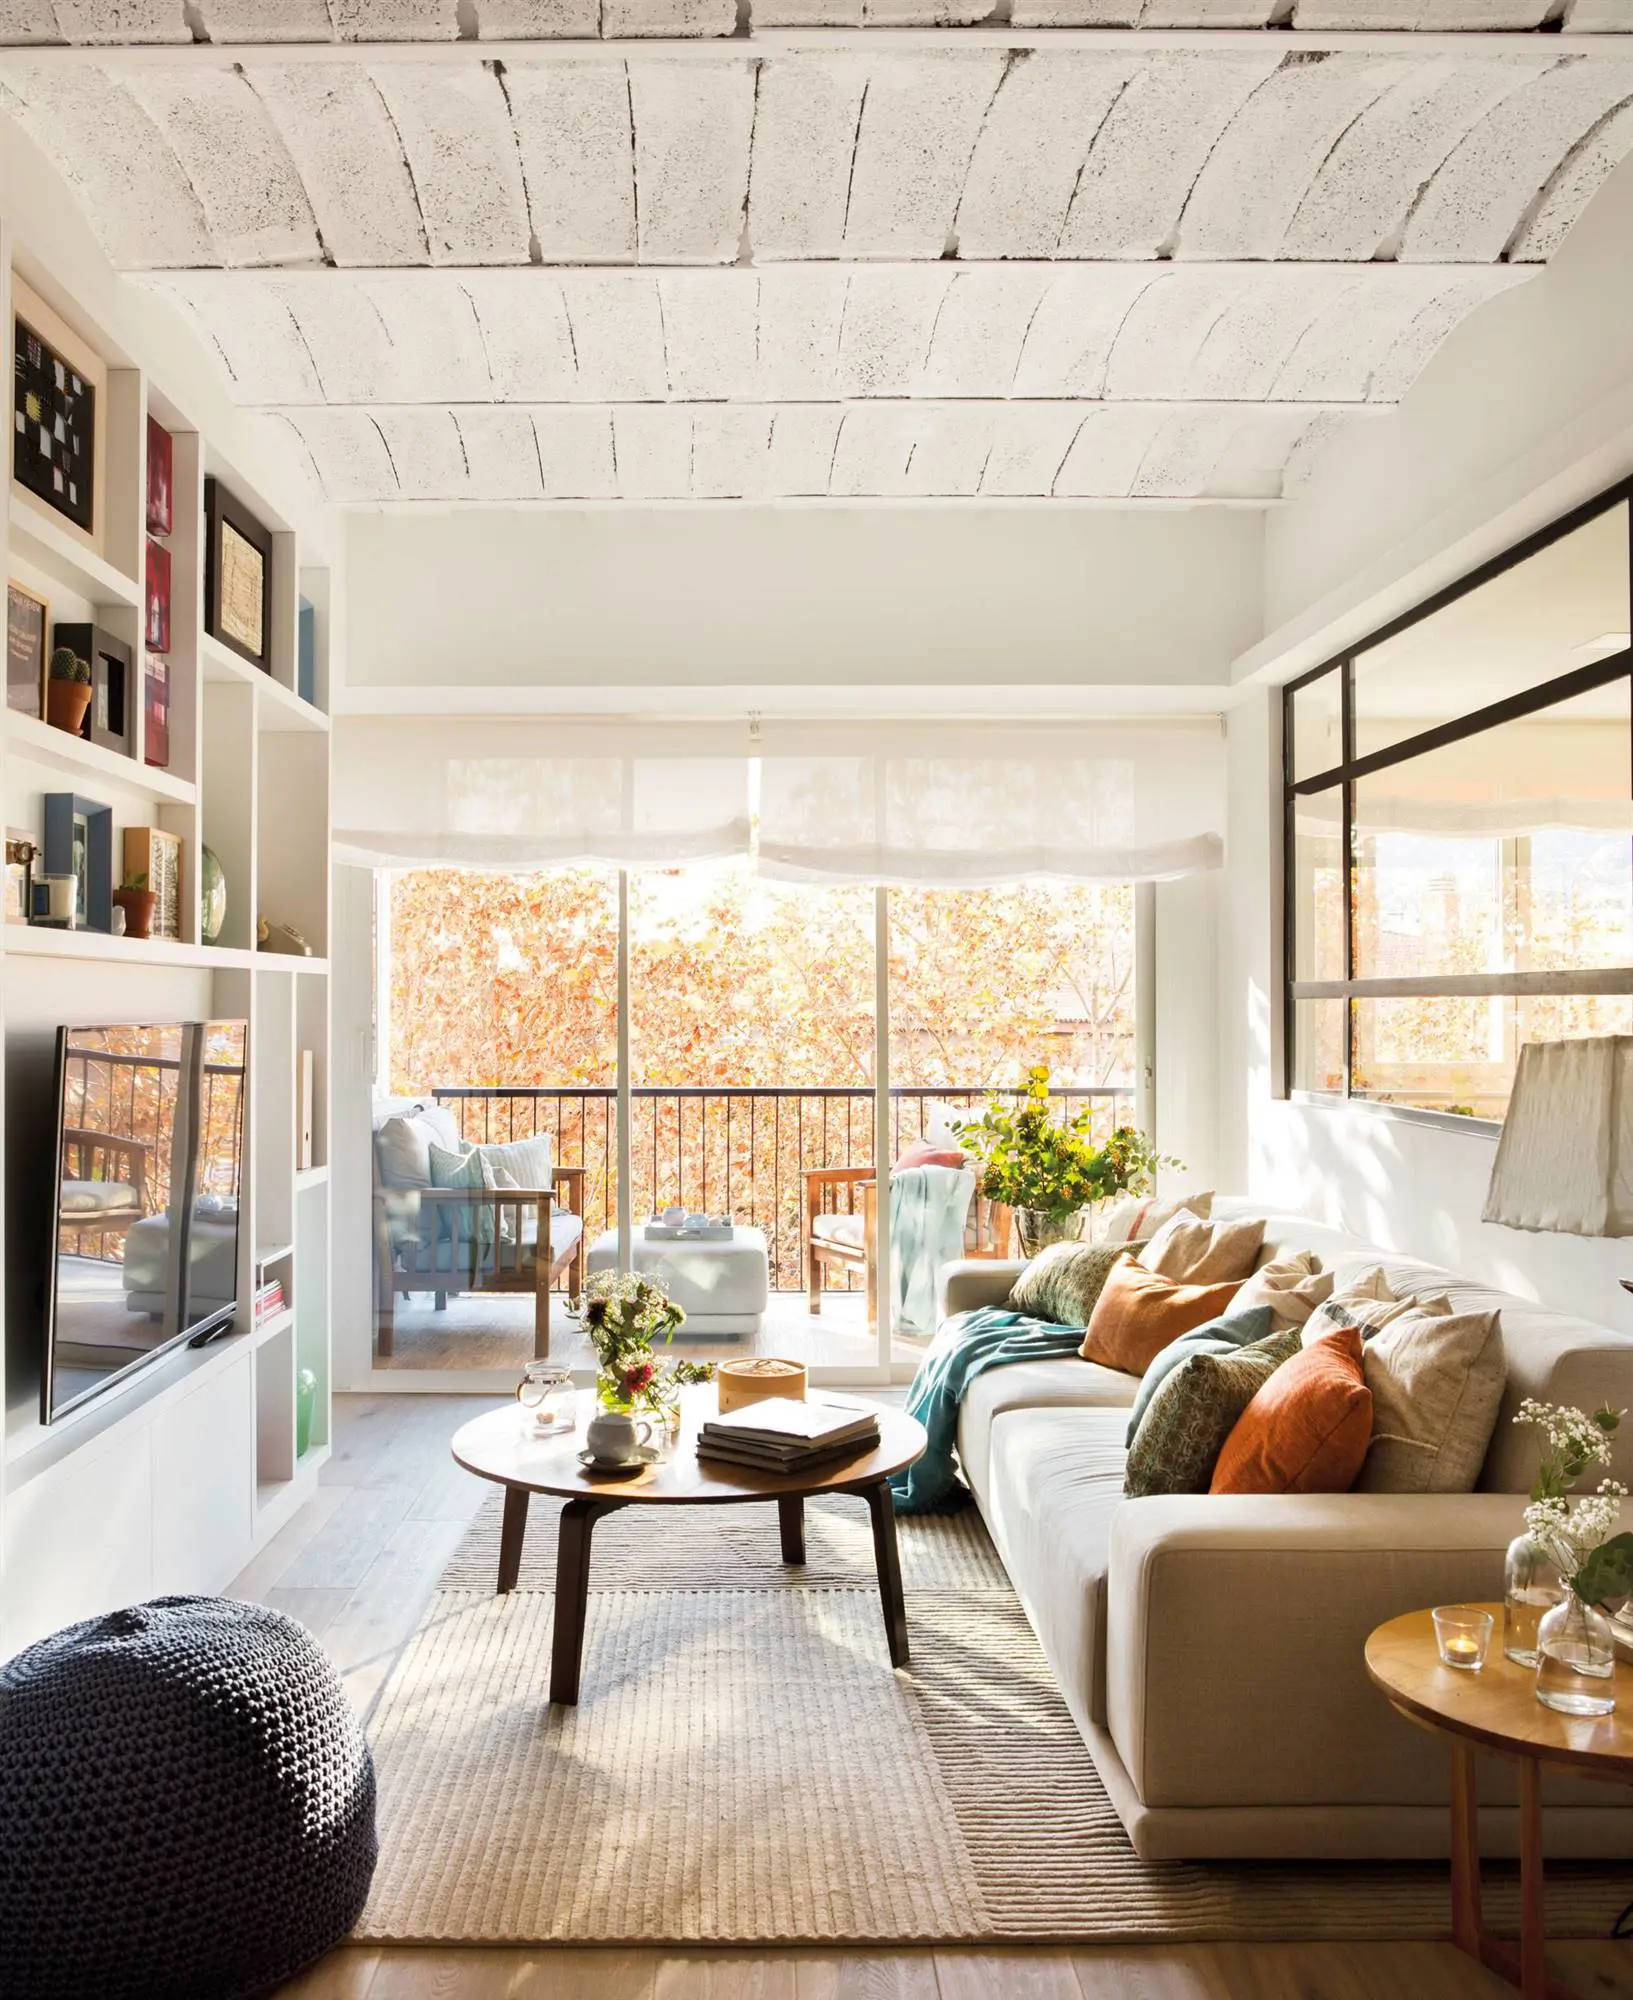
{"x":791,"y":1520}
{"x":1467,"y":1925}
{"x":882,"y":1506}
{"x":511,"y":1536}
{"x":1533,"y":1919}
{"x":578,"y":1519}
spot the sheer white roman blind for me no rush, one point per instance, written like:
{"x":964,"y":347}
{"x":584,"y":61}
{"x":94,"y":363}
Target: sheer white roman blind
{"x":976,"y":804}
{"x":530,"y":792}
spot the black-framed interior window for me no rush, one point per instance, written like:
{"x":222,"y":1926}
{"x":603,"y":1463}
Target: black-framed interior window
{"x":1459,"y":829}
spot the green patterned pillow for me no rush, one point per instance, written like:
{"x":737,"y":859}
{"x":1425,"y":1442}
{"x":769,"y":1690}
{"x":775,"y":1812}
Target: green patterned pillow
{"x":1063,"y":1281}
{"x":1195,"y":1409}
{"x":1216,"y":1336}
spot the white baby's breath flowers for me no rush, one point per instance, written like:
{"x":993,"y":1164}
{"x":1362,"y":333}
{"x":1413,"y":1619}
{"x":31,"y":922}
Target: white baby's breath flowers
{"x":1572,"y":1434}
{"x":1570,"y":1535}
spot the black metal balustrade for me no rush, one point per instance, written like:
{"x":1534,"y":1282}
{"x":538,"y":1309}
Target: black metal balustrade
{"x":742,"y":1151}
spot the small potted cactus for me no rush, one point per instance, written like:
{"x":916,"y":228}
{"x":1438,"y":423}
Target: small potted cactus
{"x":68,"y":690}
{"x":140,"y":905}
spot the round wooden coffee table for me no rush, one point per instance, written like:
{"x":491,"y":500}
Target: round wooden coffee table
{"x":496,"y":1447}
{"x":1496,"y":1710}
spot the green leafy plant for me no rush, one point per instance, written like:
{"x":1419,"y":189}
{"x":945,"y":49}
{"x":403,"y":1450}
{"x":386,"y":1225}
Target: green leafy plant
{"x":66,"y":665}
{"x":1031,"y":1159}
{"x":134,"y":882}
{"x":622,"y":1317}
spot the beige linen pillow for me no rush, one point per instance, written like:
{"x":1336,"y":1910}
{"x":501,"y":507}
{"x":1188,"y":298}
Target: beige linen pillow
{"x":1437,"y":1382}
{"x":1194,"y":1252}
{"x":1135,"y":1216}
{"x":1292,"y":1285}
{"x":1367,"y":1303}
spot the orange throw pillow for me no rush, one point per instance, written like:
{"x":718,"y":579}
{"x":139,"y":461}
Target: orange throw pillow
{"x":1138,"y":1313}
{"x":1308,"y":1428}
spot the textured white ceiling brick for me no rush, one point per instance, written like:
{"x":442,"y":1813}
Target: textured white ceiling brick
{"x":1156,"y":348}
{"x":266,"y":20}
{"x":347,"y":447}
{"x":501,"y":454}
{"x":872,"y":448}
{"x":802,"y":314}
{"x":914,"y":139}
{"x":618,"y":335}
{"x":572,"y":123}
{"x":888,"y":320}
{"x":730,"y":452}
{"x":1031,"y":151}
{"x":980,"y":330}
{"x":395,"y":20}
{"x":25,"y":22}
{"x":653,"y":447}
{"x":244,"y":317}
{"x":1082,"y":310}
{"x":692,"y":126}
{"x":1104,"y":458}
{"x":1359,"y":201}
{"x":1258,"y":330}
{"x":253,"y":201}
{"x":541,"y":20}
{"x":1250,"y":452}
{"x":711,"y":333}
{"x":1573,"y":186}
{"x":1154,"y":142}
{"x":104,"y":22}
{"x":1488,"y":189}
{"x":1181,"y":456}
{"x":1368,"y":343}
{"x":130,"y":184}
{"x":667,"y":17}
{"x":427,"y":453}
{"x":925,"y":13}
{"x":1451,"y":302}
{"x":1246,"y":195}
{"x":951,"y":452}
{"x":807,"y":13}
{"x":1030,"y":443}
{"x":1076,"y":13}
{"x":1443,"y":16}
{"x":1600,"y":16}
{"x":341,"y":329}
{"x":804,"y":440}
{"x":431,"y":332}
{"x":804,"y":136}
{"x":341,"y":136}
{"x":527,"y":335}
{"x":456,"y":136}
{"x":576,"y":454}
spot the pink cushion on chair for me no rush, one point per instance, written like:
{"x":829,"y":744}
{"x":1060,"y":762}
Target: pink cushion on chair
{"x":922,"y":1153}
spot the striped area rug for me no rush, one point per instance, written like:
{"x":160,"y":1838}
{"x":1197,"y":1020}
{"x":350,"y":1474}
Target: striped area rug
{"x":744,"y":1767}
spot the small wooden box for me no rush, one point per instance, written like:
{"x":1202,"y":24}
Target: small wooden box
{"x":753,"y":1379}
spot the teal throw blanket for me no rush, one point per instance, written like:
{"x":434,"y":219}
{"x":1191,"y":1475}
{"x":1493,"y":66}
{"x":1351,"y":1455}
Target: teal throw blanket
{"x":965,"y":1346}
{"x":927,"y":1210}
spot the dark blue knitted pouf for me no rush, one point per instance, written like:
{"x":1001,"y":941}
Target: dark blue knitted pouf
{"x":186,"y":1806}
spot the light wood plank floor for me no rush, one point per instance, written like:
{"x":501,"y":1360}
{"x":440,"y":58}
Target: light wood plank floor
{"x":357,"y":1566}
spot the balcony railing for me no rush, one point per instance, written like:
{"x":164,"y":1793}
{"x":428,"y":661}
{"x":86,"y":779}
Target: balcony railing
{"x":741,"y":1151}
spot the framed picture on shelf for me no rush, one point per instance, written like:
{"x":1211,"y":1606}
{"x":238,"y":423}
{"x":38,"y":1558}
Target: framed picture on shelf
{"x":20,"y":853}
{"x":57,"y":387}
{"x":156,"y":693}
{"x":152,"y":859}
{"x":237,"y":576}
{"x":112,"y":715}
{"x":158,"y":597}
{"x":160,"y":461}
{"x":28,"y":627}
{"x":79,"y":843}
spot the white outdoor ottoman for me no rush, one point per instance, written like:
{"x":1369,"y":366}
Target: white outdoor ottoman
{"x":723,"y":1286}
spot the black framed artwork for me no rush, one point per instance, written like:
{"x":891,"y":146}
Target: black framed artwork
{"x":54,"y":428}
{"x":237,"y":576}
{"x":79,"y":842}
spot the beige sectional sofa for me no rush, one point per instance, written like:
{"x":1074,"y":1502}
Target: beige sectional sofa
{"x":1210,"y":1648}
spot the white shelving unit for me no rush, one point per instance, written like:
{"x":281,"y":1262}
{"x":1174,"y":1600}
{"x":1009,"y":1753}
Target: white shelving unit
{"x":173,"y":1479}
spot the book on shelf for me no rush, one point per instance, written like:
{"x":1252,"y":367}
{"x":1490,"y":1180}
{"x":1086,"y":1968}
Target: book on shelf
{"x":269,"y":1300}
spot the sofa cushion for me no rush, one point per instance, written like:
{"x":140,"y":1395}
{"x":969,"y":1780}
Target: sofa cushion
{"x":1217,"y":1336}
{"x":1142,"y":1215}
{"x":402,"y":1149}
{"x":1205,"y":1253}
{"x":1194,"y":1411}
{"x":1138,"y":1313}
{"x":1307,"y":1429}
{"x":1366,"y":1301}
{"x":1292,"y":1284}
{"x":1437,"y":1384}
{"x":527,"y":1161}
{"x":846,"y":1230}
{"x":1063,"y":1282}
{"x":926,"y":1153}
{"x":1057,"y":1480}
{"x":1068,"y":1383}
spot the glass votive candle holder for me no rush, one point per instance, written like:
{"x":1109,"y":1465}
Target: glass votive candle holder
{"x":548,"y":1402}
{"x":1463,"y":1632}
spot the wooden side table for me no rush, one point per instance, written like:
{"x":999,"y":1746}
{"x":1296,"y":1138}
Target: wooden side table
{"x":1496,"y":1710}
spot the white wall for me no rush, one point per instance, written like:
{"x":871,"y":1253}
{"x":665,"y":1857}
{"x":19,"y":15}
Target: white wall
{"x":863,"y":599}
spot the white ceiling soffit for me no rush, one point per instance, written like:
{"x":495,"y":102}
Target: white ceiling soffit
{"x":932,"y":265}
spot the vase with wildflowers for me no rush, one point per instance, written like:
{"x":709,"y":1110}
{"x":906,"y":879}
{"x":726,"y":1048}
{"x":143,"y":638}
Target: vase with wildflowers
{"x":1575,"y":1648}
{"x":622,"y":1318}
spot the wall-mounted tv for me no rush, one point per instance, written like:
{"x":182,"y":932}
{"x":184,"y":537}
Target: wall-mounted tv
{"x":149,"y":1163}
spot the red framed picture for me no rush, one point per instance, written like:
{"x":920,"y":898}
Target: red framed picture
{"x":156,"y":695}
{"x":158,"y":597}
{"x":160,"y":512}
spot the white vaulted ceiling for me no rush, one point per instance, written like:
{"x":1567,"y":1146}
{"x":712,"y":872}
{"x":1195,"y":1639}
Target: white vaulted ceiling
{"x":1124,"y":267}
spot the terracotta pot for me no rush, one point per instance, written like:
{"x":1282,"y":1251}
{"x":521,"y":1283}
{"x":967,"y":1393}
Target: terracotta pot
{"x":66,"y":703}
{"x":139,"y":906}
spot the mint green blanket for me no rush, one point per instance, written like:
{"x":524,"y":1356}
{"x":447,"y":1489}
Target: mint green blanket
{"x":927,"y":1210}
{"x":966,"y":1345}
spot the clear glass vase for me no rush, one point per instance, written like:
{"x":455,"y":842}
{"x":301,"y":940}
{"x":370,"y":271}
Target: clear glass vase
{"x":1037,"y":1229}
{"x":1576,"y":1663}
{"x":1532,"y":1586}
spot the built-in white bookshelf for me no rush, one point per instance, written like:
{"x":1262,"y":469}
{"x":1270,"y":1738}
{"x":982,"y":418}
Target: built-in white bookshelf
{"x":174,"y":1478}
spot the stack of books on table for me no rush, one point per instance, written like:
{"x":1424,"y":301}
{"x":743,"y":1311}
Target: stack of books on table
{"x":779,"y":1434}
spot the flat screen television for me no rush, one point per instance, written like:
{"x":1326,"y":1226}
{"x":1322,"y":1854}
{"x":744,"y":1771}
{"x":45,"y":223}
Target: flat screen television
{"x":149,"y":1152}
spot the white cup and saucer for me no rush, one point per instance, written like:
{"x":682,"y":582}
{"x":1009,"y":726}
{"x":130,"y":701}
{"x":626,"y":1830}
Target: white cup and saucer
{"x":618,"y":1442}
